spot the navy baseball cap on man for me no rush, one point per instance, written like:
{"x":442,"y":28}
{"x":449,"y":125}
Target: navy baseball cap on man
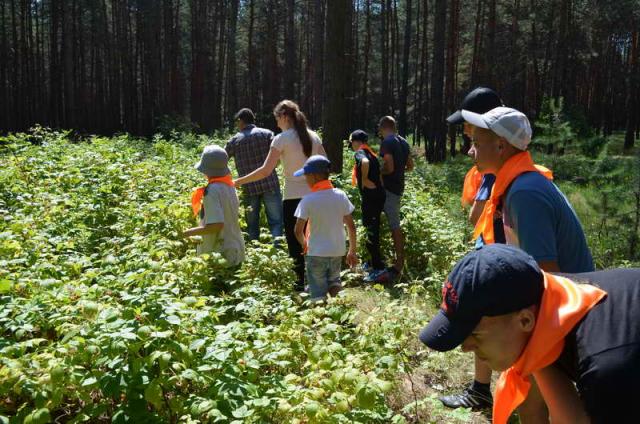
{"x":316,"y":164}
{"x":479,"y":100}
{"x":493,"y":280}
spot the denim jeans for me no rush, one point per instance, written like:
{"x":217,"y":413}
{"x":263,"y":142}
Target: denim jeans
{"x":322,"y":273}
{"x":273,"y":207}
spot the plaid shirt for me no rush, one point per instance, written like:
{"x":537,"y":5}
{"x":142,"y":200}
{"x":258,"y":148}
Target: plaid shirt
{"x":250,"y":148}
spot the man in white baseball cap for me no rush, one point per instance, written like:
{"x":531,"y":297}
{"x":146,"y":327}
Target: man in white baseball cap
{"x":537,"y":217}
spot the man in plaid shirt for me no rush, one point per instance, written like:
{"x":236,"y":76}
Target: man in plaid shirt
{"x":250,"y":147}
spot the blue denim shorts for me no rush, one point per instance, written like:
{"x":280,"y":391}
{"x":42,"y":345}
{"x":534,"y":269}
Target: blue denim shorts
{"x":392,"y":210}
{"x":322,"y":273}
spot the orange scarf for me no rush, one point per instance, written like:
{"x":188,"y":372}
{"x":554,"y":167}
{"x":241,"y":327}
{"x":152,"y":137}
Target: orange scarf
{"x":472,"y":182}
{"x":354,"y":172}
{"x":319,"y":186}
{"x":516,"y":165}
{"x":563,"y":305}
{"x":198,"y":194}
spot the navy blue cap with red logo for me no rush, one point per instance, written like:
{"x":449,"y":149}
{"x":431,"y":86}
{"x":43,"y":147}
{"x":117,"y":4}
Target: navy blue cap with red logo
{"x":493,"y":280}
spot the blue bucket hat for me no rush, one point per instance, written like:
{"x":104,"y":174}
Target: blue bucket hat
{"x":316,"y":164}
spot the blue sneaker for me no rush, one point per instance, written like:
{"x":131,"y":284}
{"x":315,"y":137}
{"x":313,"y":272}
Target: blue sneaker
{"x":366,"y":267}
{"x":389,"y":275}
{"x":373,"y":275}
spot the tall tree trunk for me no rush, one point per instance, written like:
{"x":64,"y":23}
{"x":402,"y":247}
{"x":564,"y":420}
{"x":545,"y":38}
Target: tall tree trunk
{"x":290,"y":51}
{"x":423,"y":99}
{"x":402,"y":121}
{"x":436,"y":147}
{"x":250,"y":86}
{"x":335,"y":110}
{"x":232,"y":81}
{"x":490,"y":53}
{"x":633,"y":91}
{"x":4,"y":121}
{"x":384,"y":48}
{"x":198,"y":58}
{"x":271,"y":67}
{"x":452,"y":55}
{"x":476,"y":61}
{"x":365,"y":78}
{"x":318,"y":63}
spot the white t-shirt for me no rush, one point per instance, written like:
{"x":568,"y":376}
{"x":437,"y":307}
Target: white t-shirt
{"x":325,"y":211}
{"x":220,"y":204}
{"x":293,"y":158}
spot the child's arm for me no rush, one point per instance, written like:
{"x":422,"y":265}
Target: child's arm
{"x":214,"y":228}
{"x":352,"y":257}
{"x":299,"y":231}
{"x":364,"y":167}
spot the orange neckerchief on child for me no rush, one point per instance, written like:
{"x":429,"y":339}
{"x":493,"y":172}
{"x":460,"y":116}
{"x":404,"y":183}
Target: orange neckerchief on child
{"x":564,"y":303}
{"x":198,"y":194}
{"x":472,"y":182}
{"x":516,"y":165}
{"x":354,"y":172}
{"x":319,"y":186}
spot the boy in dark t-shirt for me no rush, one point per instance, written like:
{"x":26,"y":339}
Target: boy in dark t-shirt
{"x":366,"y":175}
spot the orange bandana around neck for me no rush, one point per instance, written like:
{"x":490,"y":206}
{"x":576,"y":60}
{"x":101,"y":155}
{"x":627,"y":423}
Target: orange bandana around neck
{"x":354,"y":172}
{"x":472,"y":182}
{"x":564,"y":303}
{"x":198,"y":194}
{"x":513,"y":167}
{"x":319,"y":186}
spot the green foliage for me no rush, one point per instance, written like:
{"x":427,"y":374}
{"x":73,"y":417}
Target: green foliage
{"x":106,"y":312}
{"x":556,"y":131}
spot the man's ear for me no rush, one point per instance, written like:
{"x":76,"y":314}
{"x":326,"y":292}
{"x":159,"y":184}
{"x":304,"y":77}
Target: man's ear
{"x":527,"y":319}
{"x":502,"y":143}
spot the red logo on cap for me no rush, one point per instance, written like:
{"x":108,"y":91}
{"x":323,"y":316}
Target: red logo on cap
{"x":449,"y":298}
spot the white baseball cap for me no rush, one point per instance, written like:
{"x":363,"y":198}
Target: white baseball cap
{"x":508,"y":123}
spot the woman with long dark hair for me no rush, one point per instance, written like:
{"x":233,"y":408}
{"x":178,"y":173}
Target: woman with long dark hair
{"x":292,"y":147}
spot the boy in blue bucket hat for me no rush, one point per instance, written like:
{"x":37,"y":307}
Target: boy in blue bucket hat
{"x":324,"y":212}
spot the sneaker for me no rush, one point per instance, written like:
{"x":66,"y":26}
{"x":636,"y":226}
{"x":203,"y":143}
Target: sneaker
{"x":373,"y":275}
{"x":387,"y":276}
{"x":469,"y":398}
{"x":366,"y":267}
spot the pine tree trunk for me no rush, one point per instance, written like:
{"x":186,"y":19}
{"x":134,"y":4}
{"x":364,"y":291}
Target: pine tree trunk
{"x":402,"y":121}
{"x":290,"y":51}
{"x":335,"y":109}
{"x":436,"y":146}
{"x":232,"y":82}
{"x":452,"y":55}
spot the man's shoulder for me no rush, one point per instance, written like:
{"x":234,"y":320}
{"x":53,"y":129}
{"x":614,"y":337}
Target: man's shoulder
{"x":532,"y":181}
{"x":254,"y":133}
{"x":260,"y":130}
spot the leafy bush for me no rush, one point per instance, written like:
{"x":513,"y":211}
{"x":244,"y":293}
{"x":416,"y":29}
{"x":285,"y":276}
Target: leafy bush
{"x":107,"y":314}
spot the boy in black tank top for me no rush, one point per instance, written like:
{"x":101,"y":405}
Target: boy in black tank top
{"x":366,"y":175}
